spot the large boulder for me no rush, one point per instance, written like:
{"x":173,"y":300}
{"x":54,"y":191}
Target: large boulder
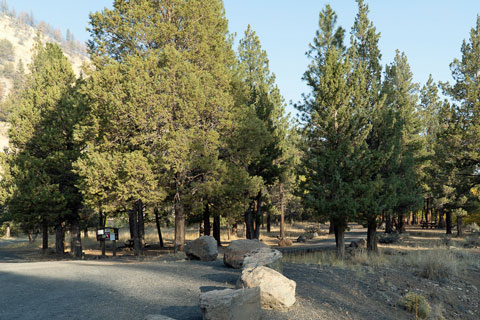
{"x":263,"y":257}
{"x":236,"y":251}
{"x":229,"y":304}
{"x":277,"y":291}
{"x":203,"y":248}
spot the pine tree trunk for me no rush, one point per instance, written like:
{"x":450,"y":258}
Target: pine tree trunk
{"x":282,"y":213}
{"x":76,"y":243}
{"x":388,"y":223}
{"x":85,"y":233}
{"x":216,"y":229}
{"x":136,"y":235}
{"x":449,"y":222}
{"x":131,"y":223}
{"x":101,"y":225}
{"x":441,"y":220}
{"x":249,"y":223}
{"x":59,"y":239}
{"x":269,"y":222}
{"x":459,"y":226}
{"x":179,"y":225}
{"x":340,"y":238}
{"x":331,"y":228}
{"x":372,"y":235}
{"x":206,"y":220}
{"x":159,"y":231}
{"x":258,"y":216}
{"x":141,"y":225}
{"x":44,"y":236}
{"x":401,"y":223}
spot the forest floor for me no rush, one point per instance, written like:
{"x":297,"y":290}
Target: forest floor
{"x":444,"y":270}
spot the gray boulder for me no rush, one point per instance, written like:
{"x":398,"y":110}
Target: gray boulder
{"x":263,"y":257}
{"x":203,"y":248}
{"x":236,"y":251}
{"x":277,"y":291}
{"x":229,"y":304}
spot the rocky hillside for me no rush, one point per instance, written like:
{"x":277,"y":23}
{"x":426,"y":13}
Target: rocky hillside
{"x":17,"y":38}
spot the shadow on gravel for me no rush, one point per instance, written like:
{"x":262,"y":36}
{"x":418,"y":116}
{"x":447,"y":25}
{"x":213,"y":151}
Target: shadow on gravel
{"x":211,"y":288}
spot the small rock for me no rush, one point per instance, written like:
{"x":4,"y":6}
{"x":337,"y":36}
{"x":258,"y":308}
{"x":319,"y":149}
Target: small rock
{"x":301,"y":238}
{"x":277,"y":291}
{"x":310,"y":235}
{"x":203,"y":249}
{"x":229,"y":304}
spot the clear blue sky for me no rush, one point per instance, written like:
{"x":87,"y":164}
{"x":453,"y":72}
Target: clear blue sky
{"x":430,"y":32}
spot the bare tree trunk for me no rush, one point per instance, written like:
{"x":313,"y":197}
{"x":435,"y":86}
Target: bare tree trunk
{"x":282,"y":213}
{"x":449,"y":222}
{"x":179,"y":224}
{"x":401,"y":223}
{"x":331,"y":228}
{"x":206,"y":220}
{"x":136,"y":235}
{"x":258,"y":216}
{"x":159,"y":231}
{"x":131,"y":223}
{"x":388,"y":223}
{"x":249,"y":223}
{"x":141,"y":225}
{"x":269,"y":222}
{"x":44,"y":236}
{"x":340,"y":238}
{"x":216,"y":229}
{"x":76,"y":240}
{"x":441,"y":220}
{"x":459,"y":226}
{"x":101,"y":225}
{"x":85,"y":233}
{"x":59,"y":239}
{"x":372,"y":235}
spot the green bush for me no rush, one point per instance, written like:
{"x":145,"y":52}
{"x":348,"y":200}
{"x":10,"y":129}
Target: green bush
{"x":417,"y":304}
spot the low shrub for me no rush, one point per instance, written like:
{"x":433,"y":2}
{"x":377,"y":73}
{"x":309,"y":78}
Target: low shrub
{"x":432,"y":264}
{"x":416,"y":304}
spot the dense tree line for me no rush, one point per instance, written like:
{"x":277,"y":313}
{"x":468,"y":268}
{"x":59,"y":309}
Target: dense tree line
{"x":170,"y":119}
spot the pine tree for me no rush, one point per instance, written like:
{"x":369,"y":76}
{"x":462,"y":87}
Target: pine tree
{"x":39,"y":177}
{"x":336,"y":121}
{"x":376,"y":194}
{"x":263,"y":96}
{"x":459,"y":146}
{"x":172,"y":59}
{"x":402,"y":98}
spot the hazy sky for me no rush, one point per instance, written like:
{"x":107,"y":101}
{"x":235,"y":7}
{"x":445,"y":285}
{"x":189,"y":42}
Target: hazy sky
{"x":430,"y":32}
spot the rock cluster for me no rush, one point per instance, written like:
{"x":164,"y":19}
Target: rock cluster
{"x":261,"y":284}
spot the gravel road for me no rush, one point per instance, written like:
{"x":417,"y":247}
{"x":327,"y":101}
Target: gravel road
{"x":108,"y":289}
